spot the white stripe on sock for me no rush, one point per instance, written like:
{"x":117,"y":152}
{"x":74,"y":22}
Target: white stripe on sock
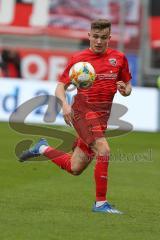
{"x":42,"y":149}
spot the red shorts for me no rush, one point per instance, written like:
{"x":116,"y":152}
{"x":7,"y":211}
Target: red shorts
{"x":90,"y":119}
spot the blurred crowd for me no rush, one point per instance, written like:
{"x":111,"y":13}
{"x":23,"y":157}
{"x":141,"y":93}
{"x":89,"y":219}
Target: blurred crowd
{"x":10,"y":64}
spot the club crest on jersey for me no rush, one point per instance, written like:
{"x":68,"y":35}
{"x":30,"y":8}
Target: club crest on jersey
{"x":113,"y":61}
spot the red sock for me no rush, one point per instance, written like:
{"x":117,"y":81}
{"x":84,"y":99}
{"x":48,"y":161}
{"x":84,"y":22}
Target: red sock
{"x":101,"y":173}
{"x":59,"y":158}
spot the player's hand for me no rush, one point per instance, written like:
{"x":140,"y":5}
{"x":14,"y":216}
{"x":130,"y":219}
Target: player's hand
{"x":121,"y":86}
{"x":124,"y":88}
{"x":67,"y":113}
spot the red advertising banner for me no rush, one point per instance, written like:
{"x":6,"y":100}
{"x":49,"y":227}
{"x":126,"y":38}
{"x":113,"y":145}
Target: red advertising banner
{"x":43,"y":65}
{"x":68,"y":18}
{"x":154,"y":23}
{"x":40,"y":64}
{"x":154,"y":32}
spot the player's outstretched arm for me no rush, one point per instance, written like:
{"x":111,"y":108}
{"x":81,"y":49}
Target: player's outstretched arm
{"x":66,"y":108}
{"x":125,"y":89}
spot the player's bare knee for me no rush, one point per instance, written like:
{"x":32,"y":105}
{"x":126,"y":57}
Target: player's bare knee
{"x":79,"y":162}
{"x":76,"y":169}
{"x":102,"y":148}
{"x":103,"y":152}
{"x":77,"y":172}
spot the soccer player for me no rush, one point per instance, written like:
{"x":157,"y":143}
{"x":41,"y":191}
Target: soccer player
{"x":90,"y":111}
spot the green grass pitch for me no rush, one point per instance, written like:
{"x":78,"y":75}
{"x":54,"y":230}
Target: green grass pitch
{"x":39,"y":201}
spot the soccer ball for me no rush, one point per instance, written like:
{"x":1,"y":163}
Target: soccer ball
{"x":82,"y":74}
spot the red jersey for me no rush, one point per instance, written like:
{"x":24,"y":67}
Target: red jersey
{"x":110,"y":67}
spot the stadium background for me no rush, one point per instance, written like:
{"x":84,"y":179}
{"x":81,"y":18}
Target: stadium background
{"x":38,"y":201}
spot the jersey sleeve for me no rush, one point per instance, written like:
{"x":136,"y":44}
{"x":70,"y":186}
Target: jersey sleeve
{"x":125,"y":74}
{"x":64,"y":78}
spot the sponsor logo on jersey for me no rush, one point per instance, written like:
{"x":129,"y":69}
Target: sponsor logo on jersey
{"x":107,"y":76}
{"x":113,"y":61}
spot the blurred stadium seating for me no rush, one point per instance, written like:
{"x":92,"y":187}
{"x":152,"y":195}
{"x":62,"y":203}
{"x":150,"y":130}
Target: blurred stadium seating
{"x":60,"y":27}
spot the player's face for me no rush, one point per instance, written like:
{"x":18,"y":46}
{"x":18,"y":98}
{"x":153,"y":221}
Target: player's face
{"x":99,"y":40}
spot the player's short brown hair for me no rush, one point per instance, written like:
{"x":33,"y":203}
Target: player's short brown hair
{"x":101,"y":24}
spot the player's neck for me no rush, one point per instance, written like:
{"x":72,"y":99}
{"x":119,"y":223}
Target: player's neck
{"x":97,"y":53}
